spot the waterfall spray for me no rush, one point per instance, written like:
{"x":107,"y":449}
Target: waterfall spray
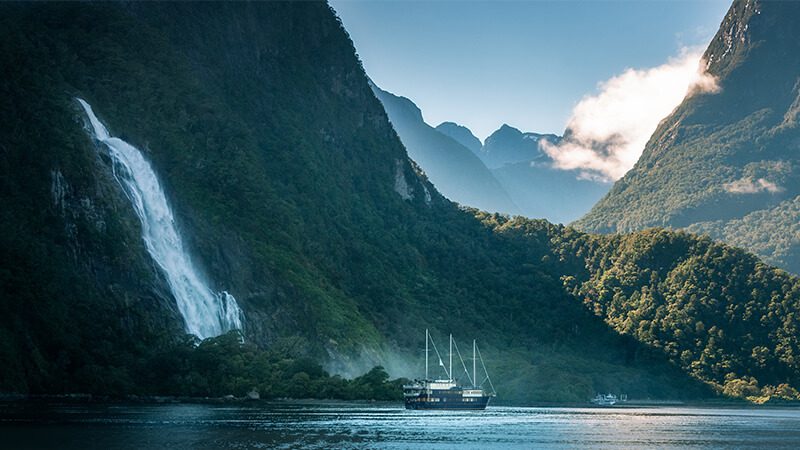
{"x":205,"y":313}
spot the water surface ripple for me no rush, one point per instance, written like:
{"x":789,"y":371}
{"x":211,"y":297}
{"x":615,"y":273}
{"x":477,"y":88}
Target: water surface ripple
{"x":354,"y":425}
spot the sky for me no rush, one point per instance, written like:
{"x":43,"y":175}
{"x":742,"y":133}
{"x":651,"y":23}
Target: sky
{"x":535,"y":65}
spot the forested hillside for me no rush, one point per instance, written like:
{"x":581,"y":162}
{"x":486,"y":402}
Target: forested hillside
{"x":294,"y":194}
{"x":717,"y":312}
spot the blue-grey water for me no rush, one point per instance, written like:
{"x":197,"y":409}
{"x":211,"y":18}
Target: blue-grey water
{"x":353,"y":425}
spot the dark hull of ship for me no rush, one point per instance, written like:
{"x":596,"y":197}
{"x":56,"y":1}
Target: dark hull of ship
{"x":447,"y":402}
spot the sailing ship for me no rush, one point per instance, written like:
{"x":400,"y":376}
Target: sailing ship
{"x":447,"y":393}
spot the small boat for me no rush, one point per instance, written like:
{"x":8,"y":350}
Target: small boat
{"x":446,"y":393}
{"x":605,"y":400}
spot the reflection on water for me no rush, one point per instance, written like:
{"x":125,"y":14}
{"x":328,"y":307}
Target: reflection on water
{"x":348,"y":425}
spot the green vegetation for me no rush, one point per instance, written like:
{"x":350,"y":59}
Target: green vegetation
{"x":773,"y":233}
{"x":717,"y":312}
{"x":226,"y":365}
{"x":282,"y":169}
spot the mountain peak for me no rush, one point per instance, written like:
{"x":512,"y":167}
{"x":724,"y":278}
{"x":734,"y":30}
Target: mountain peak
{"x":461,"y":134}
{"x":509,"y":145}
{"x":505,"y":129}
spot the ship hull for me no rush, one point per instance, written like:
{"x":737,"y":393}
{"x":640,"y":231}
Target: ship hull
{"x":450,"y":406}
{"x":447,"y":400}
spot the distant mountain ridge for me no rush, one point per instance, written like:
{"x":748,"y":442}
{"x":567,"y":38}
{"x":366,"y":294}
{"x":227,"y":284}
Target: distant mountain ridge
{"x":727,"y":163}
{"x":513,"y":159}
{"x":530,"y":176}
{"x":454,"y":169}
{"x":509,"y":145}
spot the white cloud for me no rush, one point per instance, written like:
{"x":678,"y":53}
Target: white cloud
{"x":608,"y":131}
{"x":750,"y":185}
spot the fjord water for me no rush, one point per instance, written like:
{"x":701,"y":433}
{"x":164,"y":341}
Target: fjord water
{"x":205,"y":313}
{"x":349,"y":425}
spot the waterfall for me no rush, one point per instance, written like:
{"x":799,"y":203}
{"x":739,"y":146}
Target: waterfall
{"x":205,"y":313}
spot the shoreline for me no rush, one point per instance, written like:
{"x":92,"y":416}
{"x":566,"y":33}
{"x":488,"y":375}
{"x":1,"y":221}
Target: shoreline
{"x":90,"y":399}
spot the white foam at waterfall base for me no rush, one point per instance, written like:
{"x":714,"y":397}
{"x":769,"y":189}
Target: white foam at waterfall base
{"x":205,"y":313}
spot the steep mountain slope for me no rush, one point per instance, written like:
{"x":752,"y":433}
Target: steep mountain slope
{"x":294,"y":193}
{"x":726,"y":163}
{"x":456,"y":171}
{"x":462,"y":135}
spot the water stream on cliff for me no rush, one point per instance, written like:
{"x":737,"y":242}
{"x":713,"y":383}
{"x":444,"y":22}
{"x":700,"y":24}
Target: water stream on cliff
{"x":205,"y":313}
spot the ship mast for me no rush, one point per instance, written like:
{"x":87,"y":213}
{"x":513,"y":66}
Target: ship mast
{"x":450,"y":371}
{"x":426,"y":353}
{"x":474,"y":371}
